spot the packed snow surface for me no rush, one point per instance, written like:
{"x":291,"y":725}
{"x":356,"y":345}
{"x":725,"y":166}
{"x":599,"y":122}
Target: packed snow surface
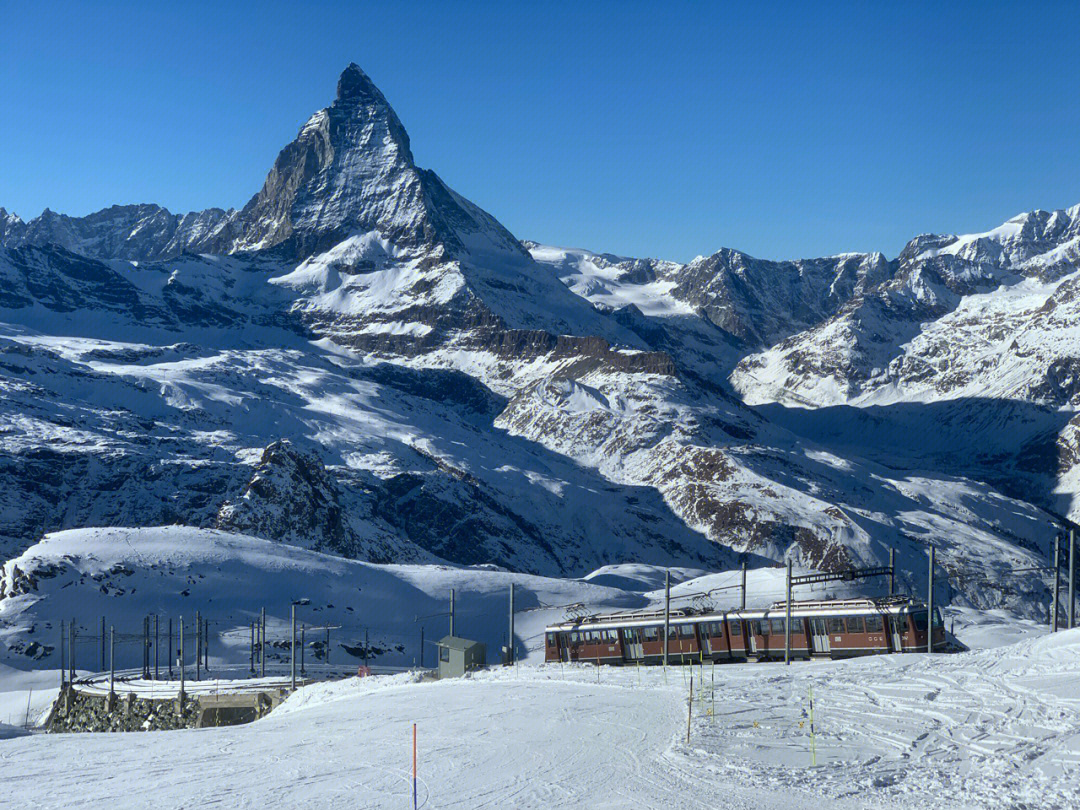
{"x":991,"y":729}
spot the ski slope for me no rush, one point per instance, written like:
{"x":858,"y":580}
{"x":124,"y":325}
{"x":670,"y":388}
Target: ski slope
{"x":989,"y":729}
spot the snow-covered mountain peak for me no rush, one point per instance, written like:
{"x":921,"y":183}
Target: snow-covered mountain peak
{"x":354,"y":84}
{"x":1030,"y":243}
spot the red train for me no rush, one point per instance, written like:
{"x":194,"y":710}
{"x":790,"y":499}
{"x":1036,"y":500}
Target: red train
{"x":833,"y":629}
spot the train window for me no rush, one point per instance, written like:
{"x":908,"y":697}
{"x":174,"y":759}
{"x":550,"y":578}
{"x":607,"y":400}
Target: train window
{"x":796,"y":627}
{"x":777,"y":627}
{"x":575,"y":638}
{"x":686,"y":630}
{"x":651,"y":633}
{"x":920,"y":620}
{"x":610,"y":635}
{"x":716,"y":629}
{"x":630,"y":634}
{"x":759,"y":628}
{"x":551,"y":639}
{"x":855,"y":624}
{"x":836,"y":625}
{"x":874,"y":624}
{"x":937,"y":618}
{"x":735,"y":627}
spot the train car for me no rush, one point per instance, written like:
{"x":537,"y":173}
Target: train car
{"x":825,"y":629}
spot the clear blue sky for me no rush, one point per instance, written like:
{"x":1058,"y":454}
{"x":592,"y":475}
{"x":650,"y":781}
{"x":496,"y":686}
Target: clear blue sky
{"x":643,"y":129}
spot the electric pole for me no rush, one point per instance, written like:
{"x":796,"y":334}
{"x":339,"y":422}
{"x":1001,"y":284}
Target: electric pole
{"x":930,"y":606}
{"x":743,"y":586}
{"x":892,"y":571}
{"x":667,"y":610}
{"x":1057,"y":585}
{"x":1072,"y":580}
{"x":510,"y":642}
{"x":787,"y":619}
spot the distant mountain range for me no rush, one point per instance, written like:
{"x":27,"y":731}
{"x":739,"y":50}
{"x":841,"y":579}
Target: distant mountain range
{"x":362,"y":361}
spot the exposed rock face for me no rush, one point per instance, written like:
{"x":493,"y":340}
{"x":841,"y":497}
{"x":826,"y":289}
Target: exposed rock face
{"x":960,"y":313}
{"x":349,"y":171}
{"x":291,"y":498}
{"x":762,"y":302}
{"x":131,"y":232}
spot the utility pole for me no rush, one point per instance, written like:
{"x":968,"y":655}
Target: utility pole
{"x":71,"y":651}
{"x":112,"y":661}
{"x":451,"y":611}
{"x":63,"y":662}
{"x":303,"y":645}
{"x":181,"y":661}
{"x":743,"y":607}
{"x":510,"y":642}
{"x":102,"y":644}
{"x":892,"y":571}
{"x":262,"y":645}
{"x":1057,"y":585}
{"x":252,"y":649}
{"x":171,"y":648}
{"x":930,"y":606}
{"x":146,"y":647}
{"x":1072,"y":580}
{"x":206,"y":646}
{"x":198,"y":646}
{"x":667,"y":610}
{"x":292,"y":655}
{"x":157,"y":647}
{"x":787,"y":619}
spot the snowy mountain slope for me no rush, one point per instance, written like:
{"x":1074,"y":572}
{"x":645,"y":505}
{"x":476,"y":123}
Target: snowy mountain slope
{"x":976,"y":336}
{"x":125,"y":574}
{"x":938,"y":328}
{"x":753,"y":302}
{"x":778,"y":498}
{"x":369,"y":342}
{"x":100,"y":432}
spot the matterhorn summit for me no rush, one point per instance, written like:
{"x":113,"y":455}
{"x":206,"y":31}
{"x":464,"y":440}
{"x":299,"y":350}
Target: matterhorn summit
{"x":350,"y":171}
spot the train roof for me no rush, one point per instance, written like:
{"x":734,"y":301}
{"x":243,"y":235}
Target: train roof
{"x":639,"y":618}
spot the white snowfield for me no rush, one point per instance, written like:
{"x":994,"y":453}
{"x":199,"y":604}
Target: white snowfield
{"x":989,"y":729}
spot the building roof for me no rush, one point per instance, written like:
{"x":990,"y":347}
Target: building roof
{"x":458,"y":643}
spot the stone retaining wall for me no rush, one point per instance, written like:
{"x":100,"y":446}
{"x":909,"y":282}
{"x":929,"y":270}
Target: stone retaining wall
{"x":75,"y":711}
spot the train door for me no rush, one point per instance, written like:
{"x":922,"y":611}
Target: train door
{"x":751,"y":638}
{"x":705,"y":630}
{"x":819,"y":636}
{"x":564,"y":646}
{"x":894,"y":632}
{"x":632,"y":649}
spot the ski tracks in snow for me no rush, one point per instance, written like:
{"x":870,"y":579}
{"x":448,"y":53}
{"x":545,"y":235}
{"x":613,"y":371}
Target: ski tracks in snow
{"x":987,"y":730}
